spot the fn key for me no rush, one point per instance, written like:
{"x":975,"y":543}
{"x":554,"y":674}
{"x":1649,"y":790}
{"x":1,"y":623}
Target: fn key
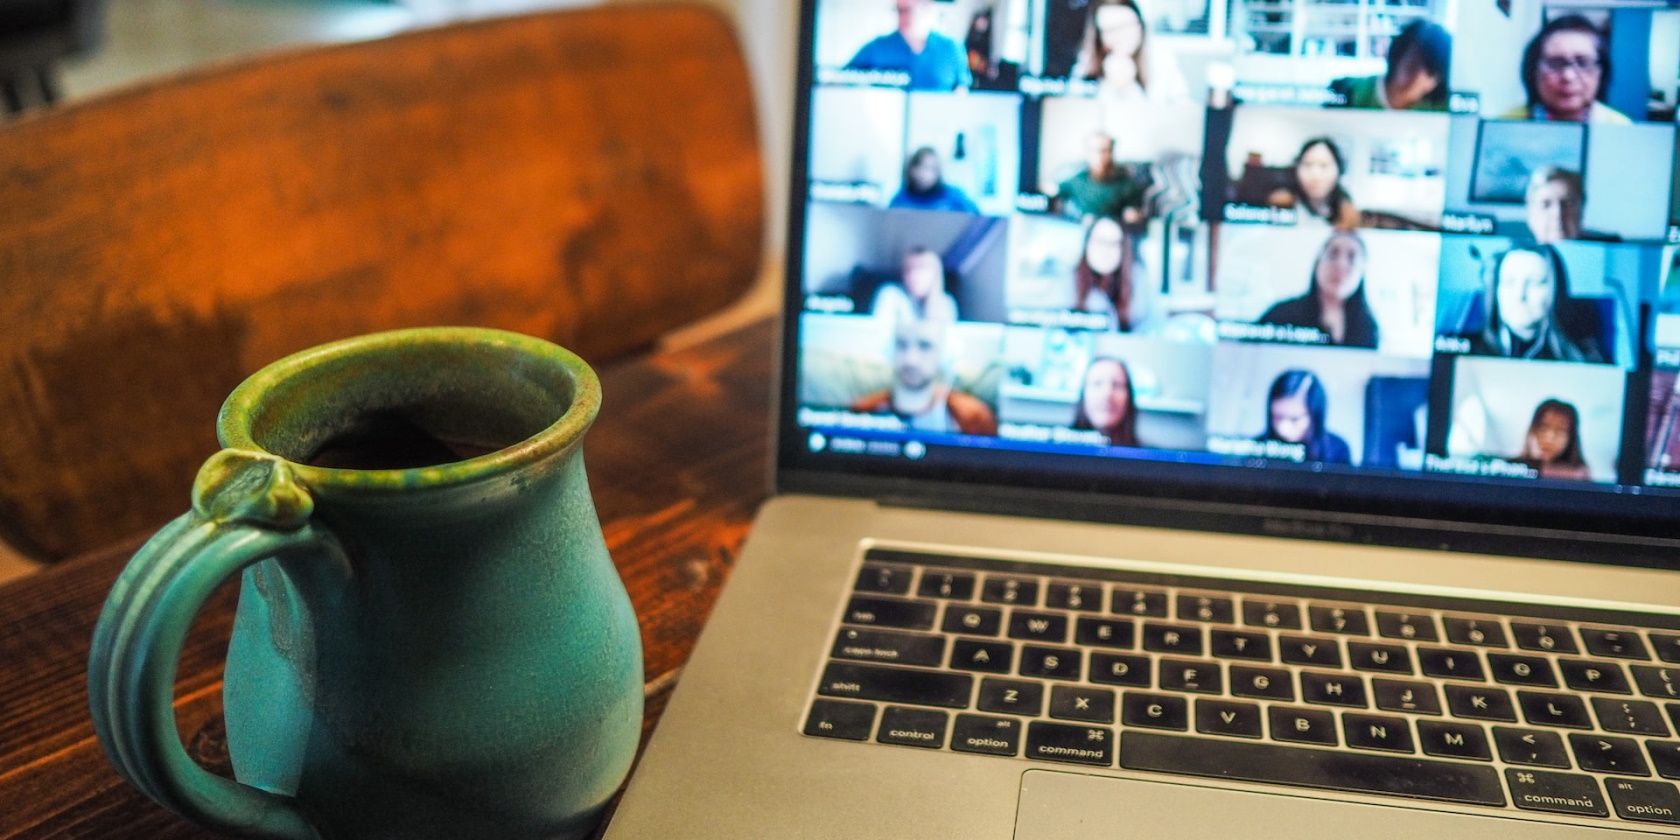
{"x":839,"y":719}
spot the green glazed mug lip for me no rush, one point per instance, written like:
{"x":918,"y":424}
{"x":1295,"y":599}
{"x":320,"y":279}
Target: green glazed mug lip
{"x":234,"y":424}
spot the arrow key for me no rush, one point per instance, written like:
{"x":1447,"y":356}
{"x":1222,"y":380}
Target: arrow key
{"x":1530,"y":747}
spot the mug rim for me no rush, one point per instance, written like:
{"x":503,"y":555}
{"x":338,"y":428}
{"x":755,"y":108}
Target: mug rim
{"x":235,"y":422}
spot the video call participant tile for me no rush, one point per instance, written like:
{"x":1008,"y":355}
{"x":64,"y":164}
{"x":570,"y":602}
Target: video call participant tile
{"x":867,"y":261}
{"x":1556,"y":421}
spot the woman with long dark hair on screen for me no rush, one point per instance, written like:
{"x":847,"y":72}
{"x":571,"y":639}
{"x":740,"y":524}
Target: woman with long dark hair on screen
{"x":1107,"y":402}
{"x":1531,"y":314}
{"x":1315,"y":189}
{"x":1334,"y":303}
{"x":1101,"y":282}
{"x":1553,"y":442}
{"x":1116,"y":52}
{"x":1295,"y":410}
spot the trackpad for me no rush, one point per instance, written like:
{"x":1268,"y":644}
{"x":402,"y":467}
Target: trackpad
{"x":1056,"y":806}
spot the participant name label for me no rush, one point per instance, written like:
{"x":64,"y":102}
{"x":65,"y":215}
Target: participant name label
{"x":812,"y":417}
{"x":1668,"y":358}
{"x":870,"y":78}
{"x":1239,"y":331}
{"x":1479,"y":467}
{"x":1275,"y":450}
{"x":1032,"y":433}
{"x":845,"y":193}
{"x":1064,"y":319}
{"x":1662,"y":478}
{"x":1255,"y":214}
{"x":1467,"y":223}
{"x":1256,"y":94}
{"x":830,"y":304}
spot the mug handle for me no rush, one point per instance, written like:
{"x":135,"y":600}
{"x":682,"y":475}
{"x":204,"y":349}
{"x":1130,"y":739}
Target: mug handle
{"x":247,"y":507}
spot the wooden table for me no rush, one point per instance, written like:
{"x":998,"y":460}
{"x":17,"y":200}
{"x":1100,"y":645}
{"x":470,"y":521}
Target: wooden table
{"x":677,"y":464}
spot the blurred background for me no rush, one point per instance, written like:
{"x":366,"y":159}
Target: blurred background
{"x":71,"y":50}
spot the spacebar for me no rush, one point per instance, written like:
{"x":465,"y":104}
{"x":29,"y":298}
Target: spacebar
{"x":1344,"y":771}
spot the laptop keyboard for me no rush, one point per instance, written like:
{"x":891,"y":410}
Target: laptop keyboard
{"x":1542,"y":709}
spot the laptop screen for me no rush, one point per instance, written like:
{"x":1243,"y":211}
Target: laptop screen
{"x":1410,"y":257}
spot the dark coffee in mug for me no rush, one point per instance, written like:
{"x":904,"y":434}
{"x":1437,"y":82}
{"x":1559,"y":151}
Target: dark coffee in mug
{"x":395,"y":439}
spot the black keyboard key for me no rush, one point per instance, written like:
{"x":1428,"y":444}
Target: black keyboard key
{"x":953,"y":586}
{"x":1212,"y":608}
{"x":1172,"y":638}
{"x":1481,"y":631}
{"x":1513,"y":669}
{"x":985,"y":657}
{"x":1530,"y":747}
{"x":1187,"y":675}
{"x":1588,"y":675}
{"x":1349,"y":621}
{"x":1011,"y":697}
{"x":1154,"y":711}
{"x":887,"y":612}
{"x":1221,"y":717}
{"x":1083,"y":597}
{"x":887,"y":580}
{"x":840,"y":719}
{"x":1660,"y":682}
{"x":1478,"y":703}
{"x":1453,"y":740}
{"x":987,"y":735}
{"x":1414,"y":778}
{"x":1105,"y":632}
{"x":1277,"y":615}
{"x":1653,"y":802}
{"x":1543,"y":709}
{"x":1557,"y":793}
{"x":1333,"y":689}
{"x":1419,"y":698}
{"x":1053,"y":663}
{"x":972,"y":621}
{"x":1665,"y":758}
{"x":1303,"y":726}
{"x":1377,"y":732}
{"x":1309,"y":650}
{"x":1617,"y":644}
{"x":1082,"y":703}
{"x":1408,"y":626}
{"x":1667,"y":646}
{"x":1239,"y":644}
{"x":1451,"y":664}
{"x":1546,"y":638}
{"x":1262,"y":683}
{"x":888,"y":646}
{"x":896,"y":685}
{"x":1608,"y":754}
{"x":1142,"y":603}
{"x":1038,"y":627}
{"x":1629,"y":717}
{"x":1120,"y":669}
{"x":1070,"y":743}
{"x":912,"y":727}
{"x":1021,"y":592}
{"x":1383,"y":658}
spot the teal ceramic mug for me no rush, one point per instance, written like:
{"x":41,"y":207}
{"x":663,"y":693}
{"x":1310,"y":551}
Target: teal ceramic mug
{"x":431,"y":639}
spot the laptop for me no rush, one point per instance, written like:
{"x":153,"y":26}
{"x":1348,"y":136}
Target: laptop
{"x":1210,"y":418}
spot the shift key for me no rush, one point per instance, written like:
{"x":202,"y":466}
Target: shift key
{"x":896,"y":685}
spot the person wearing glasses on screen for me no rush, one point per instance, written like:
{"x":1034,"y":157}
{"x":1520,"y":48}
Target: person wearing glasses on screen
{"x":1566,"y":71}
{"x":1107,"y":402}
{"x":921,"y":394}
{"x":1419,"y":65}
{"x":1528,"y":312}
{"x":1102,"y":283}
{"x":1116,"y":53}
{"x":1315,"y":189}
{"x":933,"y":61}
{"x":925,"y":188}
{"x":1553,"y":443}
{"x":1334,"y":303}
{"x":1295,"y":409}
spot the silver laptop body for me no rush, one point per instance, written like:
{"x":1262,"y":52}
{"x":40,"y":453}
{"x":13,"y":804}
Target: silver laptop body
{"x":1411,"y":569}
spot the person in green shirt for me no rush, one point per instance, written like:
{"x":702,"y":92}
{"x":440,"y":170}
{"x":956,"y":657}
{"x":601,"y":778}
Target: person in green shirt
{"x":1103,"y":188}
{"x":1419,"y":68}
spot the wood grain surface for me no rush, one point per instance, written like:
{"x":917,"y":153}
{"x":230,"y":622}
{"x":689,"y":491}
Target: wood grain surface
{"x":588,"y":176}
{"x":677,"y":465}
